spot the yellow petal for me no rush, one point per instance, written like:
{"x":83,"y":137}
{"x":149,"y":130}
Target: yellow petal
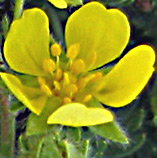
{"x":127,"y":79}
{"x":59,"y":3}
{"x":99,"y":32}
{"x":76,"y":115}
{"x":32,"y":98}
{"x":27,"y":43}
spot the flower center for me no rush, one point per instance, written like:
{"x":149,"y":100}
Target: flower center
{"x":68,"y":81}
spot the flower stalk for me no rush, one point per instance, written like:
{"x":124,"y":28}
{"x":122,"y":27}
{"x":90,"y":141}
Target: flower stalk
{"x":18,"y":8}
{"x":7,"y":128}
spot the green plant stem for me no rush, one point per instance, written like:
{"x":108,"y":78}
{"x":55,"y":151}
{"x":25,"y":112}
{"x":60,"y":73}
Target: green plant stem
{"x":18,"y":8}
{"x":6,"y":128}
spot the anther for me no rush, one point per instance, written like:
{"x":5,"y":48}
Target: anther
{"x":58,"y":75}
{"x":71,"y":89}
{"x":49,"y":65}
{"x":82,"y":82}
{"x":41,"y":80}
{"x":46,"y":89}
{"x":66,"y":100}
{"x":57,"y":85}
{"x":87,"y":98}
{"x":56,"y":49}
{"x":98,"y":76}
{"x":73,"y":51}
{"x":66,"y":79}
{"x":78,"y":66}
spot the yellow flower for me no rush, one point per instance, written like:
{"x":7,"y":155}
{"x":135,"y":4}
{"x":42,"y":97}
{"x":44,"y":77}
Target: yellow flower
{"x":94,"y":36}
{"x":64,"y":3}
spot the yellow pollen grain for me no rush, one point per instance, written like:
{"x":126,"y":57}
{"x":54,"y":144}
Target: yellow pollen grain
{"x":71,"y":89}
{"x":77,"y":66}
{"x":66,"y":100}
{"x":59,"y":74}
{"x":46,"y":89}
{"x":49,"y":65}
{"x":57,"y":85}
{"x":73,"y":51}
{"x":41,"y":80}
{"x":87,"y":98}
{"x":56,"y":49}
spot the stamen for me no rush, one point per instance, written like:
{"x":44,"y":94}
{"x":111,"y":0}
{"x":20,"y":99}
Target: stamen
{"x":73,"y":51}
{"x":41,"y":80}
{"x":71,"y":89}
{"x":98,"y":76}
{"x":87,"y":98}
{"x":78,"y":66}
{"x":66,"y":79}
{"x":58,"y":75}
{"x":49,"y":65}
{"x":66,"y":100}
{"x":46,"y":89}
{"x":82,"y":82}
{"x":56,"y":49}
{"x":57,"y":85}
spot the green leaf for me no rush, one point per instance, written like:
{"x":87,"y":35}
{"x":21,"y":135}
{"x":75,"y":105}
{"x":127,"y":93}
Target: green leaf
{"x":114,"y":151}
{"x":135,"y":121}
{"x":110,"y":131}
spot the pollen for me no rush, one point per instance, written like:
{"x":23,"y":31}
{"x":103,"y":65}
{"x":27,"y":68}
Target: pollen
{"x":46,"y":89}
{"x":77,"y":66}
{"x":49,"y":65}
{"x":56,"y":49}
{"x":73,"y":51}
{"x":87,"y":98}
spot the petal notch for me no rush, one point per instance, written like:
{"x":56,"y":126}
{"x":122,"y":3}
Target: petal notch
{"x":76,"y":115}
{"x":97,"y":30}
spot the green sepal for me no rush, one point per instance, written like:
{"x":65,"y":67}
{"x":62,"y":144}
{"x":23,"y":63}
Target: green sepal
{"x":72,"y":134}
{"x":37,"y":124}
{"x":110,"y":131}
{"x":16,"y":106}
{"x":77,"y":151}
{"x":38,"y":147}
{"x":49,"y":148}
